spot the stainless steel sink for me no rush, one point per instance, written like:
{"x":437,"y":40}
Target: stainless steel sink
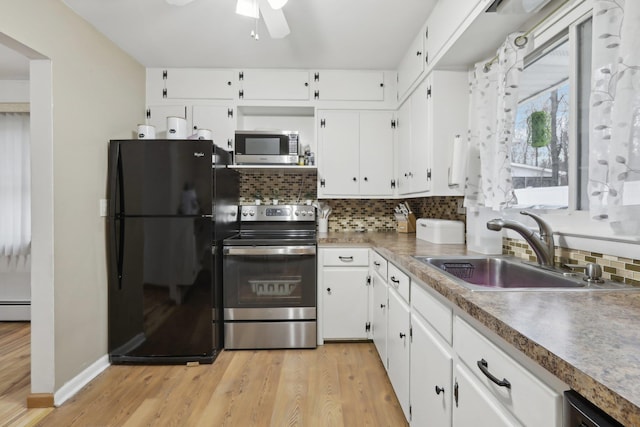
{"x":503,"y":273}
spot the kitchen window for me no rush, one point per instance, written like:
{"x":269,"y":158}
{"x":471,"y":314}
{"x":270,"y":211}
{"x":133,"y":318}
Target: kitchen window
{"x":549,"y":156}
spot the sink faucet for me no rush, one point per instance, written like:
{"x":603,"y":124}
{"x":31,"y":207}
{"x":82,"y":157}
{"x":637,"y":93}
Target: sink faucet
{"x":541,"y":242}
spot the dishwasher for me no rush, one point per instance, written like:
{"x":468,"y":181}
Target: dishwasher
{"x":579,"y":412}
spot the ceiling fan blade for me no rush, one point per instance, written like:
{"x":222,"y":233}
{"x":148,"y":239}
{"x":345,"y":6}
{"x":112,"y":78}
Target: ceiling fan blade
{"x":274,"y":20}
{"x":248,"y":8}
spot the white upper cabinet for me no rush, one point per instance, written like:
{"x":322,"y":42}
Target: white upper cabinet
{"x":355,"y":153}
{"x":414,"y":153}
{"x":283,"y":85}
{"x":413,"y":63}
{"x":335,"y":85}
{"x":198,"y":83}
{"x":220,"y":120}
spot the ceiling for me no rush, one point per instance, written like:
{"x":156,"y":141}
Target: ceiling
{"x":13,"y":65}
{"x":326,"y":34}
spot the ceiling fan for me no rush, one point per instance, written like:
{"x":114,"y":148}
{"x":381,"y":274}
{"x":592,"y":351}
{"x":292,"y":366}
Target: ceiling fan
{"x":271,"y":11}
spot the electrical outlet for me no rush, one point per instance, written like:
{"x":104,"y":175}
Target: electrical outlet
{"x":103,"y":207}
{"x":461,"y":208}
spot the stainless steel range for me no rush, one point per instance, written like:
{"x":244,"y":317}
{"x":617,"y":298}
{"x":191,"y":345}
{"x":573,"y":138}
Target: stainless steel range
{"x":270,"y":279}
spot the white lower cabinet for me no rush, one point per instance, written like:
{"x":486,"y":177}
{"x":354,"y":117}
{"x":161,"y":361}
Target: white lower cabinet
{"x":431,"y":372}
{"x":398,"y":348}
{"x":473,"y":406}
{"x":379,"y":305}
{"x":344,"y":290}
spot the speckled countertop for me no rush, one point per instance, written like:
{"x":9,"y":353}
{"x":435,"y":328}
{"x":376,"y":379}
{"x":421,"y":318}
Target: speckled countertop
{"x":589,"y":340}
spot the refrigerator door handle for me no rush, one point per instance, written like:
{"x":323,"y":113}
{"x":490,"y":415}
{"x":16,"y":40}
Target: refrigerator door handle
{"x":120,"y":218}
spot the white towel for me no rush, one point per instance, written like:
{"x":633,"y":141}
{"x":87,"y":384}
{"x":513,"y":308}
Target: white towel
{"x":458,"y":160}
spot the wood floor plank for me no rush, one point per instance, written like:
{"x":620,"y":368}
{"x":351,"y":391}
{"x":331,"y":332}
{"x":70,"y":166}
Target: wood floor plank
{"x":337,"y":384}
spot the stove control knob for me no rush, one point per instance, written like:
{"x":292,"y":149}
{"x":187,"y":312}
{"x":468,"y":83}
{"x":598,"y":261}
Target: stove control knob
{"x":298,"y":213}
{"x":252,"y":213}
{"x":244,"y":213}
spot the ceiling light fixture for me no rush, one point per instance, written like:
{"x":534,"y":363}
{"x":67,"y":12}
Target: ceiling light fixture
{"x":248,"y":8}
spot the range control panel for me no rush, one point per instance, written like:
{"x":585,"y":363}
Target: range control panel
{"x":277,"y":213}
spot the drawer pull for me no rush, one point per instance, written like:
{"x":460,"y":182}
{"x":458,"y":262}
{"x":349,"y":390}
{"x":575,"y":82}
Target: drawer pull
{"x":376,"y":263}
{"x":345,"y":258}
{"x":402,"y":335}
{"x":439,"y":390}
{"x":382,"y":305}
{"x":484,"y":367}
{"x":394,"y":280}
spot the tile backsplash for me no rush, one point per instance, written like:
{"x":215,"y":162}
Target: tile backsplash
{"x":614,"y":268}
{"x":348,"y":214}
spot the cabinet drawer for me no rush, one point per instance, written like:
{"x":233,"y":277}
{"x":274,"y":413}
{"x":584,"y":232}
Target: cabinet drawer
{"x":399,"y":281}
{"x":530,"y":400}
{"x":437,"y":314}
{"x":379,"y":265}
{"x":346,"y":257}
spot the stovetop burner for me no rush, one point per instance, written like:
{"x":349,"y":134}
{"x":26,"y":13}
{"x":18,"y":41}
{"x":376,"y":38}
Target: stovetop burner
{"x":275,"y":225}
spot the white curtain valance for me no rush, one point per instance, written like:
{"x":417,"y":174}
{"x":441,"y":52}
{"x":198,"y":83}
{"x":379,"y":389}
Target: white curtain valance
{"x":614,"y":138}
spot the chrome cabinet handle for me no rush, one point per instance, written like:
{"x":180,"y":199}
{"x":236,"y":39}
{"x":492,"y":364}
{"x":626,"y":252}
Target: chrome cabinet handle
{"x":345,"y":258}
{"x":484,"y":367}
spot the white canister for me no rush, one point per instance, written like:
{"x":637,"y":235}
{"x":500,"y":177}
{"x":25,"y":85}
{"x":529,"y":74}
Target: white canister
{"x":204,"y":134}
{"x":146,"y":132}
{"x":176,"y":128}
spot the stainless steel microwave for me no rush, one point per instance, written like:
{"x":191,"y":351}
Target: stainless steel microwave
{"x":266,"y":147}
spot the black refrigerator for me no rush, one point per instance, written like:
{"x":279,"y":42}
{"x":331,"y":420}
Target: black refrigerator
{"x":171,"y":203}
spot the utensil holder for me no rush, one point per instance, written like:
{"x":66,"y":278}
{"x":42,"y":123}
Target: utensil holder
{"x":323,"y":225}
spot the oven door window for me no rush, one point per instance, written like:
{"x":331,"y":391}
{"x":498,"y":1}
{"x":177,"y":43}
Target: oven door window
{"x":257,"y":281}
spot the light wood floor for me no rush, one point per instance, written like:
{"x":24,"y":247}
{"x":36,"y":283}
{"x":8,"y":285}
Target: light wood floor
{"x":334,"y":385}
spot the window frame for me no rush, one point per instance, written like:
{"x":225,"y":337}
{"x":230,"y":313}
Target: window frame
{"x":574,"y":228}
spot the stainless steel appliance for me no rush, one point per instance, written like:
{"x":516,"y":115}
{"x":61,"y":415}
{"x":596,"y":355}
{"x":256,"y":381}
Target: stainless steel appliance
{"x":171,"y":203}
{"x":579,"y":412}
{"x":266,"y":147}
{"x":270,"y":279}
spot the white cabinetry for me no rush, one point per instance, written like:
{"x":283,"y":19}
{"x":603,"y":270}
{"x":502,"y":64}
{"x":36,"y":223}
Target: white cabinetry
{"x":282,"y":85}
{"x":355,"y":153}
{"x":398,"y":336}
{"x":219,"y":119}
{"x":431,"y":359}
{"x":344,"y":292}
{"x":504,"y":380}
{"x":474,"y":407}
{"x":413,"y":63}
{"x":198,"y":83}
{"x":380,"y":302}
{"x":414,"y":151}
{"x":348,"y":85}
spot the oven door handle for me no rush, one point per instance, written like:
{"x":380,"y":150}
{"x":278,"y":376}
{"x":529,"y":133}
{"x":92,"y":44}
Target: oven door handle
{"x":270,"y":250}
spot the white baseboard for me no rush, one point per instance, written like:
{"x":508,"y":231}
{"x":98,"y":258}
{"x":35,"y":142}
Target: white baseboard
{"x":15,"y":313}
{"x":83,"y":378}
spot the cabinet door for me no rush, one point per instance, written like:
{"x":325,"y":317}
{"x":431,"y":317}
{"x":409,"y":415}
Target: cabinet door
{"x":345,"y":303}
{"x":157,"y":116}
{"x":431,"y":373}
{"x":291,"y":85}
{"x":379,"y":318}
{"x":420,"y":150}
{"x":338,"y":158}
{"x":219,"y":119}
{"x":474,"y":406}
{"x":398,"y":349}
{"x":404,"y":148}
{"x":352,"y":85}
{"x":199,"y":83}
{"x":412,"y":64}
{"x":376,"y":152}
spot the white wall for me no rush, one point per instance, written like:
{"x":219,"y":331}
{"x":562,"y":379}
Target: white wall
{"x":97,"y":94}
